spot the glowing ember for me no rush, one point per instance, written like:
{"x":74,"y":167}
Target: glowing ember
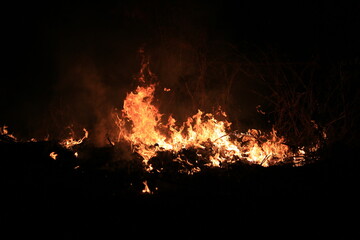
{"x":5,"y":133}
{"x":70,"y":142}
{"x":146,"y":188}
{"x":3,"y":130}
{"x":53,"y":155}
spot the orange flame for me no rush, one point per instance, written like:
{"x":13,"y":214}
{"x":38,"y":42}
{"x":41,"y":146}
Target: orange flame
{"x":70,"y":142}
{"x":146,"y":188}
{"x":53,"y":155}
{"x":141,"y":124}
{"x":5,"y":132}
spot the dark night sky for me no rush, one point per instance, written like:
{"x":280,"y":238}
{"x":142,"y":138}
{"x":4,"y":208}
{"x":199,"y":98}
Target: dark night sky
{"x":50,"y":50}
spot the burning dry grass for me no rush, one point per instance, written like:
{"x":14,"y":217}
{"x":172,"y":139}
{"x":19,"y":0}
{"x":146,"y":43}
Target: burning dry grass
{"x":204,"y":140}
{"x":141,"y":124}
{"x":301,"y":124}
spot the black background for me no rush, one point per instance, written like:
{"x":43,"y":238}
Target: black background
{"x":42,"y":44}
{"x":42,"y":41}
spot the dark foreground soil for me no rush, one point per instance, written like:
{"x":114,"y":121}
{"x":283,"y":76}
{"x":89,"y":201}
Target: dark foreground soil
{"x":96,"y":198}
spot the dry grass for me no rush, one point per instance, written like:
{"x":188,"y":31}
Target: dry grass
{"x":311,"y":103}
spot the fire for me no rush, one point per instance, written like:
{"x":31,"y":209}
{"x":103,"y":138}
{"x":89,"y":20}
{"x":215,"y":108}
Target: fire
{"x":146,"y":188}
{"x":53,"y":155}
{"x":265,"y":149}
{"x":208,"y":136}
{"x":145,"y":122}
{"x":141,"y":123}
{"x":70,"y":142}
{"x":4,"y":133}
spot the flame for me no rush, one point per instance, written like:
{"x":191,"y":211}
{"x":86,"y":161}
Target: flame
{"x":145,"y":122}
{"x":146,"y":188}
{"x":53,"y":155}
{"x":3,"y":130}
{"x":70,"y":142}
{"x":148,"y":131}
{"x":5,"y":133}
{"x":141,"y":124}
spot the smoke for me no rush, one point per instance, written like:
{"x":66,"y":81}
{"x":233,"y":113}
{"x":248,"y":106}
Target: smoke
{"x":96,"y":58}
{"x":89,"y":57}
{"x":81,"y":100}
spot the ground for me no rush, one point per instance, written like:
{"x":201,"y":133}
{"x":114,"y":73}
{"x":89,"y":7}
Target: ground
{"x":50,"y":198}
